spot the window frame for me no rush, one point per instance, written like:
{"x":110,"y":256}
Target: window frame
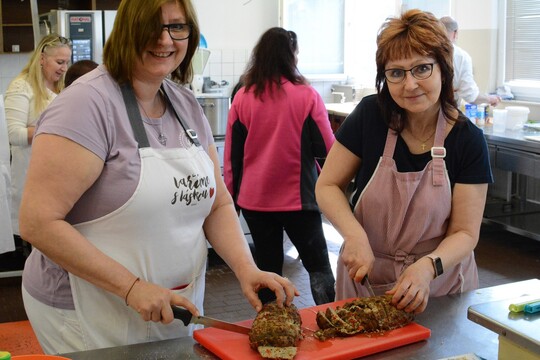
{"x":523,"y":90}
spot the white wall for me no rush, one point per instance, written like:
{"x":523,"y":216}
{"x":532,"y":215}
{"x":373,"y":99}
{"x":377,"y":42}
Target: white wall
{"x":235,"y":24}
{"x":232,"y":28}
{"x":478,"y":34}
{"x":10,"y":66}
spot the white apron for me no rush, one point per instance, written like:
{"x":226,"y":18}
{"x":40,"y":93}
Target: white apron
{"x":158,"y":236}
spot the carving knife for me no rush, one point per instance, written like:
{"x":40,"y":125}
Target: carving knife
{"x":187,"y":318}
{"x":366,"y":283}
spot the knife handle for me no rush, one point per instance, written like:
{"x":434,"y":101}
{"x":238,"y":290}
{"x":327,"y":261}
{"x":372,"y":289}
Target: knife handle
{"x":182,"y":314}
{"x":364,"y":280}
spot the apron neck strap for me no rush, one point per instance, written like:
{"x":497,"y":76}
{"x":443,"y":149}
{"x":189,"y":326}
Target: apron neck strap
{"x":192,"y":134}
{"x":438,"y":151}
{"x":134,"y":115}
{"x":136,"y":122}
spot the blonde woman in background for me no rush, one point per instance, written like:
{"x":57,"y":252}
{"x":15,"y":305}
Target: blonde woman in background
{"x":26,"y":97}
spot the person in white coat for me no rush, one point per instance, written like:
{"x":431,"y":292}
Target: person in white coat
{"x":6,"y":232}
{"x":28,"y":94}
{"x":123,"y":192}
{"x":464,"y":85}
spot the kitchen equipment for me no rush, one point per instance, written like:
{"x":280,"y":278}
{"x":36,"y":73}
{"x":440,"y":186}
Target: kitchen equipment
{"x":348,"y":91}
{"x":367,"y":284}
{"x":216,"y":109}
{"x":231,"y":346}
{"x":199,"y":61}
{"x":516,"y":117}
{"x":188,"y":318}
{"x":83,"y":27}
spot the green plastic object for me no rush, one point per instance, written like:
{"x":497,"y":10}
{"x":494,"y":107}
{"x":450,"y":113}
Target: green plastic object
{"x":4,"y":355}
{"x":520,"y":307}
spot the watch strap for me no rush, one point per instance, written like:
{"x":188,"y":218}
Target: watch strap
{"x":437,"y":265}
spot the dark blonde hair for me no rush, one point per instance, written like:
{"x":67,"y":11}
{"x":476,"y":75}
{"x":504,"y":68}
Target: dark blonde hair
{"x":33,"y":74}
{"x":420,"y":32}
{"x":138,"y":23}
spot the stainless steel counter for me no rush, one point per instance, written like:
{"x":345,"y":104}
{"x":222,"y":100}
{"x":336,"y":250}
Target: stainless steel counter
{"x":518,"y":162}
{"x":451,"y":332}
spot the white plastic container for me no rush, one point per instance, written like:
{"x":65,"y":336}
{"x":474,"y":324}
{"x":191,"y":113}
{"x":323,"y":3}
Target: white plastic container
{"x":516,"y":117}
{"x":499,"y":120}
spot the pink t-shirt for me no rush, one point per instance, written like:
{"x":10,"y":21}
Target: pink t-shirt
{"x":92,"y":113}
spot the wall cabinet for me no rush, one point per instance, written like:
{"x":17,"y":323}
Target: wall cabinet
{"x":16,"y":31}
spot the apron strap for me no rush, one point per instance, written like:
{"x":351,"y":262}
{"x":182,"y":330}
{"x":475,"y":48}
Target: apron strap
{"x":438,"y":152}
{"x":136,"y":122}
{"x":192,"y":135}
{"x":134,"y":115}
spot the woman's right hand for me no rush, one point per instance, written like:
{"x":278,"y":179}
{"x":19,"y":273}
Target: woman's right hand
{"x":153,"y":302}
{"x":357,"y":257}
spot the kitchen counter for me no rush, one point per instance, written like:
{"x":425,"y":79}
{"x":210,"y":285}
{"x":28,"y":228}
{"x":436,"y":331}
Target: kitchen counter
{"x":340,"y":109}
{"x":451,"y":332}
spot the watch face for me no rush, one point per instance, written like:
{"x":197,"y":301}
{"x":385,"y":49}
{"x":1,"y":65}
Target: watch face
{"x":437,"y":263}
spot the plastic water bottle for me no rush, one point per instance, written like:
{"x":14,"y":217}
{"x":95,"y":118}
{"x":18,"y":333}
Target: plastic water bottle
{"x":481,"y":115}
{"x":470,"y":112}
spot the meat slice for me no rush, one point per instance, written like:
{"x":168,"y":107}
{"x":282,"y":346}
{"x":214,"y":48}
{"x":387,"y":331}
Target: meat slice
{"x":276,"y":331}
{"x":362,"y":315}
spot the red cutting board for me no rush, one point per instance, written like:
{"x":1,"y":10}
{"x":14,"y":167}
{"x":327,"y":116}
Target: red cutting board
{"x":232,"y":346}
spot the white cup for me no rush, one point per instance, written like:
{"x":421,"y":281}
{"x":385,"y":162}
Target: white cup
{"x":499,"y":120}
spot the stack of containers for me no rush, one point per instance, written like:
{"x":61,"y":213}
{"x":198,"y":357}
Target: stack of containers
{"x":516,"y":117}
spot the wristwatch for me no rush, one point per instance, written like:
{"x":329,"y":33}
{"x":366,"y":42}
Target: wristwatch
{"x":437,"y":265}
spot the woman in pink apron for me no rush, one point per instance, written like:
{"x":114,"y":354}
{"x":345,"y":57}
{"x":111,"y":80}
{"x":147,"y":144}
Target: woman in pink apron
{"x":421,"y":171}
{"x":124,"y":191}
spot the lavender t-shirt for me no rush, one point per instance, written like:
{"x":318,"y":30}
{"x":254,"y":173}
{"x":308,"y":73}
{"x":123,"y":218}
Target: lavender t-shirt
{"x":92,"y":113}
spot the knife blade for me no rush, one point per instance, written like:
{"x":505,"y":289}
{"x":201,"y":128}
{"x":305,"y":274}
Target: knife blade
{"x":367,"y":284}
{"x":187,"y":318}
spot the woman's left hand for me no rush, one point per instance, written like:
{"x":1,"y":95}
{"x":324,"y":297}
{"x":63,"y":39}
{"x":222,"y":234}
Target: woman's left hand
{"x":411,"y":292}
{"x":254,"y":279}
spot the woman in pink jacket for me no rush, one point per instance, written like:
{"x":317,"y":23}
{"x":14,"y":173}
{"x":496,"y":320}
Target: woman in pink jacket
{"x":277,"y":127}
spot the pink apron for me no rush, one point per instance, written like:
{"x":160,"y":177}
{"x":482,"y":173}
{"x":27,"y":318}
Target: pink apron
{"x":405,"y":216}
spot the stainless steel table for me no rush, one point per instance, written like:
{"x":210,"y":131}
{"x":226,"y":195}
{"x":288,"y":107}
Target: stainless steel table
{"x":451,"y":332}
{"x":512,"y":153}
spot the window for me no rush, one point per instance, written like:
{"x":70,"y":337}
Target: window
{"x":319,"y":25}
{"x":337,"y":38}
{"x":521,"y":68}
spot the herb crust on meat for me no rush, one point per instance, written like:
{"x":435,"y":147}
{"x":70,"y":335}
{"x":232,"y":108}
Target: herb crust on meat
{"x":274,"y":329}
{"x":362,"y":315}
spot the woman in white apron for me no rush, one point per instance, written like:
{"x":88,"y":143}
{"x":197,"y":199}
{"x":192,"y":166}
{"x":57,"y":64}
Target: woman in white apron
{"x":26,"y":97}
{"x":421,"y":171}
{"x":123,"y":192}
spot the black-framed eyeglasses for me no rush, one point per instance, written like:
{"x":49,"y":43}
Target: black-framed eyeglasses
{"x":420,"y":72}
{"x":60,"y":40}
{"x":178,"y":31}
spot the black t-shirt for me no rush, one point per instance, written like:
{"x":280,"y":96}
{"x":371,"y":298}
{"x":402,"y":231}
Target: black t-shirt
{"x":364,"y":134}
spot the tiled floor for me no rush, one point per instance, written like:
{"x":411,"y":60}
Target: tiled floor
{"x":502,"y":257}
